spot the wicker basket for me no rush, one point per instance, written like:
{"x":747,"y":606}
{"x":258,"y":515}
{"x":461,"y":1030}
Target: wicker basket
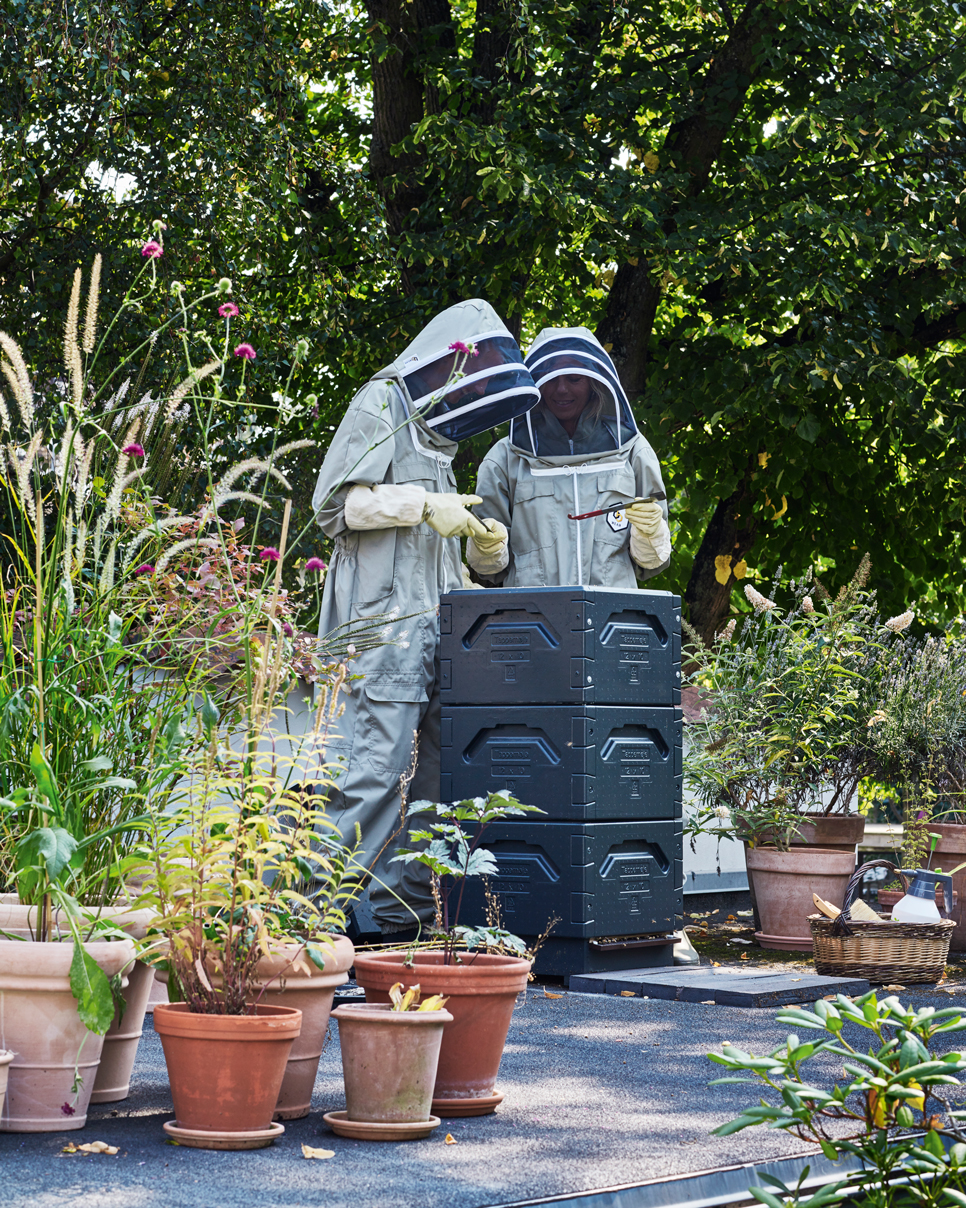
{"x":909,"y":953}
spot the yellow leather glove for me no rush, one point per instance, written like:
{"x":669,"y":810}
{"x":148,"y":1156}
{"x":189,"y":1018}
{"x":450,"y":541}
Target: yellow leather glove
{"x":646,"y":517}
{"x":650,"y":535}
{"x":488,"y":552}
{"x":447,"y":514}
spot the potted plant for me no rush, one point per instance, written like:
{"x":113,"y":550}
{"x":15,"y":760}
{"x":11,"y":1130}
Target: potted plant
{"x":390,"y":1054}
{"x":480,"y":971}
{"x":776,"y":755}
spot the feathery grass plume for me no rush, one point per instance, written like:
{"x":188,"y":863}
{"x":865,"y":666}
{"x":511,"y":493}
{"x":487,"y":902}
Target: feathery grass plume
{"x":106,"y":583}
{"x":16,"y":373}
{"x":83,"y":459}
{"x":67,"y":582}
{"x":93,"y":297}
{"x":154,"y":530}
{"x":182,"y":391}
{"x":4,"y":414}
{"x":21,"y":466}
{"x":62,"y":459}
{"x":72,"y":356}
{"x":188,"y":543}
{"x":257,"y":467}
{"x":80,"y":542}
{"x":112,"y":508}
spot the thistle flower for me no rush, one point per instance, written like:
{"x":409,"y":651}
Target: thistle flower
{"x":758,"y":602}
{"x":287,"y":629}
{"x":269,"y":554}
{"x":301,"y":350}
{"x":133,"y":450}
{"x":807,"y":605}
{"x":726,"y":634}
{"x":157,"y":225}
{"x":177,"y":287}
{"x":145,"y":569}
{"x":228,"y":310}
{"x":153,"y":249}
{"x":902,"y":621}
{"x":246,"y":351}
{"x":67,"y":1109}
{"x":469,"y":350}
{"x":223,"y":287}
{"x":93,"y":297}
{"x":315,"y":564}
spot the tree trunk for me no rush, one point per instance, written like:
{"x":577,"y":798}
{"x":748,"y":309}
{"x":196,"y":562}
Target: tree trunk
{"x":730,"y":535}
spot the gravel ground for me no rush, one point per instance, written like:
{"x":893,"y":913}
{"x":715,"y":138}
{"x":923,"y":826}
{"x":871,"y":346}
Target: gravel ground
{"x":599,"y":1091}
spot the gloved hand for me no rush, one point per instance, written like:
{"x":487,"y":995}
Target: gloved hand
{"x":487,"y":552}
{"x":447,"y":514}
{"x":650,"y":535}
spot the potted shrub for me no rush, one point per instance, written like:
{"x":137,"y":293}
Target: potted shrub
{"x":776,"y":755}
{"x":390,"y":1054}
{"x":480,"y":971}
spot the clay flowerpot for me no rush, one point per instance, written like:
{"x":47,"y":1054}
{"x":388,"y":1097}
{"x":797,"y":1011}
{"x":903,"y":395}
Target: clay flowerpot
{"x":836,"y":832}
{"x":950,"y":851}
{"x":784,"y":882}
{"x":225,"y":1072}
{"x":5,"y":1058}
{"x":481,"y":991}
{"x":40,"y":1025}
{"x":389,"y":1061}
{"x":292,"y":980}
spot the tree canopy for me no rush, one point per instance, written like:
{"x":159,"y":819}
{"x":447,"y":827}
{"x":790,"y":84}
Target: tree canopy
{"x":756,"y":209}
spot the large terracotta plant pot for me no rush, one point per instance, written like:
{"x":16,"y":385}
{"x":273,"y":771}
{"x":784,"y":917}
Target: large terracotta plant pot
{"x":113,"y":1082}
{"x":5,"y":1058}
{"x":950,"y":851}
{"x":389,"y":1062}
{"x":480,"y":992}
{"x":836,"y":832}
{"x":40,"y":1024}
{"x":225,"y":1072}
{"x":784,"y":882}
{"x":294,"y":981}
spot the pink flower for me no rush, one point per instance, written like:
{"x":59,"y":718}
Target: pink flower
{"x":269,"y":554}
{"x":67,"y":1109}
{"x":133,"y":450}
{"x":246,"y":351}
{"x":153,"y":249}
{"x":287,"y":629}
{"x":315,"y":564}
{"x":228,"y":310}
{"x":467,"y":349}
{"x":145,"y":569}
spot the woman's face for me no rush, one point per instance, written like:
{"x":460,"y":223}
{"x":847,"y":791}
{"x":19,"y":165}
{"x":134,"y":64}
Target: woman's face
{"x":565,"y":398}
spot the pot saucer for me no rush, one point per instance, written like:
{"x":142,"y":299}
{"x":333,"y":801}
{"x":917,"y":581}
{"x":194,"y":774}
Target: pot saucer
{"x":204,"y":1139}
{"x":785,"y":943}
{"x":449,"y":1109}
{"x":369,"y":1130}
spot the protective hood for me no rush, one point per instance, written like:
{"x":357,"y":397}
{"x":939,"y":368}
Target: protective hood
{"x":606,"y":424}
{"x":456,"y":394}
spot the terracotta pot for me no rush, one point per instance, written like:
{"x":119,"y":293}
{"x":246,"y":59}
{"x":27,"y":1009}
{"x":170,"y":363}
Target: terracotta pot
{"x":481,"y":994}
{"x":40,"y":1024}
{"x":950,"y":851}
{"x":225,"y":1070}
{"x":784,"y":882}
{"x":389,"y":1061}
{"x":5,"y":1058}
{"x":834,"y":832}
{"x":311,"y":990}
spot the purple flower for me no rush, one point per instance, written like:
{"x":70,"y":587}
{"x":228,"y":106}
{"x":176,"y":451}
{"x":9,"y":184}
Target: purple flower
{"x":228,"y":310}
{"x":67,"y":1109}
{"x":287,"y":629}
{"x":246,"y":351}
{"x":269,"y":554}
{"x":315,"y":564}
{"x":467,"y":349}
{"x":145,"y":569}
{"x":133,"y":450}
{"x":153,"y":249}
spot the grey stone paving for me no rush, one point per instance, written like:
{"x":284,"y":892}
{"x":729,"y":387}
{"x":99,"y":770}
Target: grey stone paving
{"x":599,"y":1091}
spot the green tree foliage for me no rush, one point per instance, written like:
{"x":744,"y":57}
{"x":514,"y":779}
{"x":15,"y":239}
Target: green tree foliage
{"x":757,"y":208}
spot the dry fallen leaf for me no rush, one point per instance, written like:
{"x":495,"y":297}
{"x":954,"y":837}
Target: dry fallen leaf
{"x":309,"y":1152}
{"x":716,"y":964}
{"x":90,"y":1147}
{"x":708,"y":1002}
{"x":449,"y":1139}
{"x":547,"y":994}
{"x":744,"y":956}
{"x":628,"y":994}
{"x":893,"y":989}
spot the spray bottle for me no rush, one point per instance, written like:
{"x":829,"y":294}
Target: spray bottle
{"x":918,"y":905}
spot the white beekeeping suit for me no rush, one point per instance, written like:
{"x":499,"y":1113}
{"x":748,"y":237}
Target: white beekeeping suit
{"x":386,"y":493}
{"x":549,"y":467}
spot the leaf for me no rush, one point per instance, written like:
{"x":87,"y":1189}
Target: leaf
{"x":90,"y":986}
{"x":449,"y":1139}
{"x":435,"y":1002}
{"x":49,"y":847}
{"x":44,"y":775}
{"x":309,"y":1152}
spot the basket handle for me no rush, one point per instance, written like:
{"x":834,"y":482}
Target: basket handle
{"x":840,"y":925}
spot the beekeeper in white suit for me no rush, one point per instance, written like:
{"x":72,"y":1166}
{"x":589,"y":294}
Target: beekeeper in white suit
{"x":578,"y":451}
{"x":387,"y":494}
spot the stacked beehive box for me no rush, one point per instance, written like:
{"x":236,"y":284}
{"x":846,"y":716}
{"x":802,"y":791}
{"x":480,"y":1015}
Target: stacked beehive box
{"x":569,"y":697}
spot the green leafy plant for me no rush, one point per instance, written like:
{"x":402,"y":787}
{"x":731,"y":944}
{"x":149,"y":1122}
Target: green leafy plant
{"x":452,"y":852}
{"x":888,"y":1112}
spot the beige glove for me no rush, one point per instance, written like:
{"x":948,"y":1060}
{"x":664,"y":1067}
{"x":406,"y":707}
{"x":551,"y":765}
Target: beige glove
{"x":447,"y":514}
{"x":650,"y":535}
{"x":488,"y":552}
{"x":386,"y":505}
